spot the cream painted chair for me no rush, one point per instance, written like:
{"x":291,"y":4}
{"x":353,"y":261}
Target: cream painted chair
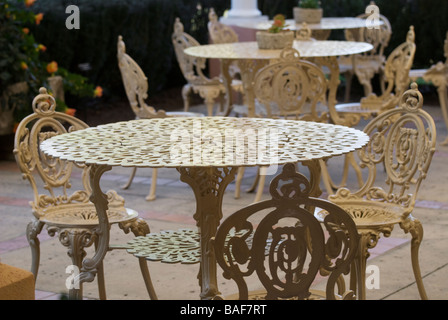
{"x":222,"y":33}
{"x":280,"y":245}
{"x":136,"y":86}
{"x":209,"y":89}
{"x":366,"y":65}
{"x":71,"y":215}
{"x":437,"y":74}
{"x":396,"y":72}
{"x":396,"y":161}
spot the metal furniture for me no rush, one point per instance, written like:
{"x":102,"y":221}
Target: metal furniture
{"x":290,"y":88}
{"x":207,"y":152}
{"x":192,"y":70}
{"x":396,"y":159}
{"x":366,"y":65}
{"x":70,"y":215}
{"x":320,"y":30}
{"x":437,"y":74}
{"x":396,"y":72}
{"x":250,"y":59}
{"x":136,"y":86}
{"x":281,"y":242}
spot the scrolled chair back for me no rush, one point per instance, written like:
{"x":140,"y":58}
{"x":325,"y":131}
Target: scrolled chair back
{"x":292,"y":86}
{"x":192,"y":68}
{"x":281,"y":241}
{"x":135,"y":84}
{"x":402,"y":141}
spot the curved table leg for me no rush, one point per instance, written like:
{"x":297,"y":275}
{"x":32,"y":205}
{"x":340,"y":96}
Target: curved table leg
{"x":208,"y":185}
{"x":90,"y":266}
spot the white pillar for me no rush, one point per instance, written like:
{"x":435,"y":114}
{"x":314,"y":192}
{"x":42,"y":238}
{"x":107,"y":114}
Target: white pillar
{"x":244,"y":9}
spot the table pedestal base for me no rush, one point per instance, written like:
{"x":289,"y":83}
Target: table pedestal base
{"x":208,"y":185}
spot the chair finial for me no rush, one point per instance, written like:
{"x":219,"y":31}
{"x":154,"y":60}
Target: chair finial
{"x":289,"y":185}
{"x":412,"y":99}
{"x":44,"y":103}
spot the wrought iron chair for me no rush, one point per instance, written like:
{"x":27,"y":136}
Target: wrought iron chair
{"x":281,"y":241}
{"x":192,"y":70}
{"x":366,"y":65}
{"x":402,"y":143}
{"x":396,"y":72}
{"x":290,"y":88}
{"x":437,"y":74}
{"x":221,"y":33}
{"x":70,"y":215}
{"x":135,"y":84}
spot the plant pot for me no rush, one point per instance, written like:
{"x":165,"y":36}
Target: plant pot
{"x":307,"y":15}
{"x":268,"y":40}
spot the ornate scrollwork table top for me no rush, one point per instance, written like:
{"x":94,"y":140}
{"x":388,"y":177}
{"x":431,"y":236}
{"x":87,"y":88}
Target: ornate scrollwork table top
{"x":329,"y":23}
{"x":204,"y":142}
{"x":249,"y":50}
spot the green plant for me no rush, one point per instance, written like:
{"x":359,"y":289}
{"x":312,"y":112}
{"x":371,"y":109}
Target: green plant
{"x":309,"y":4}
{"x":278,"y":24}
{"x":22,"y":59}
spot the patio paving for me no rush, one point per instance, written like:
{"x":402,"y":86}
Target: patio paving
{"x":173,"y":209}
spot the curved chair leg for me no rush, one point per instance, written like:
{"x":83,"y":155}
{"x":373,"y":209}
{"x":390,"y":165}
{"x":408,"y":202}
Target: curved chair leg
{"x":33,"y":229}
{"x":415,"y":228}
{"x":76,"y":240}
{"x":361,"y":263}
{"x":186,"y":96}
{"x":238,"y":181}
{"x":255,"y":183}
{"x":147,"y":278}
{"x":131,"y":177}
{"x":152,"y":191}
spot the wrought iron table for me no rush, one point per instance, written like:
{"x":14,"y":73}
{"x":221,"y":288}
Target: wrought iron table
{"x":250,"y":59}
{"x":207,"y":152}
{"x":327,"y":23}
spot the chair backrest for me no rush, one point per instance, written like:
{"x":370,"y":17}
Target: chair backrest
{"x":284,"y":244}
{"x":379,"y":36}
{"x":396,"y":73}
{"x":219,"y":32}
{"x":53,"y":175}
{"x":402,"y":140}
{"x":135,"y":84}
{"x":192,"y":68}
{"x":293,"y":86}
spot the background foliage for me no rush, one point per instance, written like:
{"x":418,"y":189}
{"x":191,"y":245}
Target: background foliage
{"x":147,"y":25}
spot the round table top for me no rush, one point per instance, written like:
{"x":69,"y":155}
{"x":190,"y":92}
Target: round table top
{"x":330,"y":23}
{"x":250,"y":50}
{"x":204,"y":142}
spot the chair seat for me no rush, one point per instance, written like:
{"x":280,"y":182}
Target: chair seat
{"x":367,"y":214}
{"x":84,"y":215}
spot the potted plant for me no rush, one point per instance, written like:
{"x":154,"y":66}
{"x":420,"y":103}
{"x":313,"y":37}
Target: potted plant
{"x":308,"y":11}
{"x":277,"y":36}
